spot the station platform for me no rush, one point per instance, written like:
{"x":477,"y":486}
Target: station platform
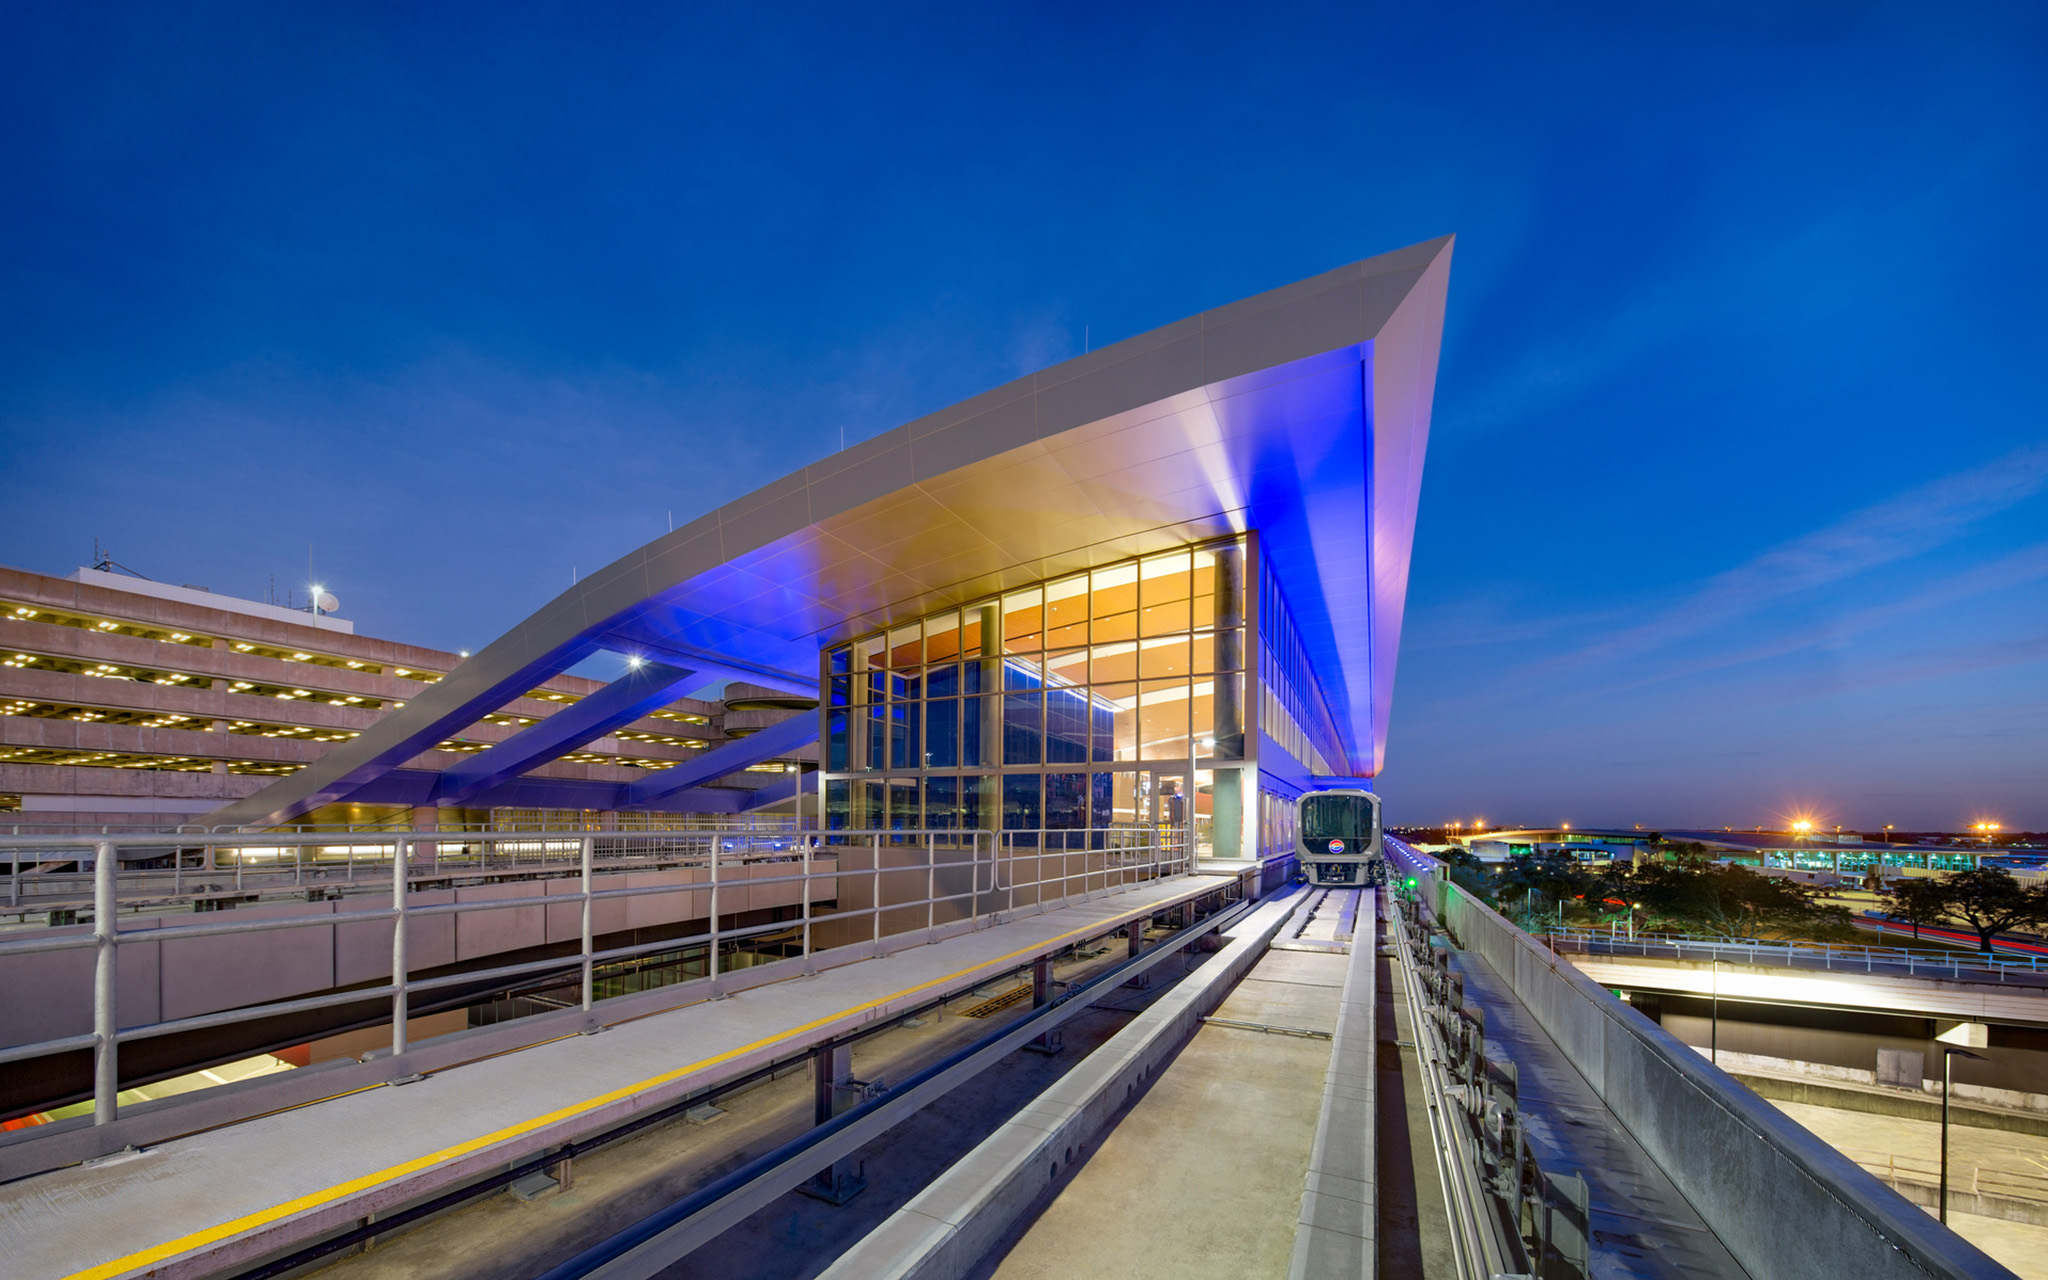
{"x":232,"y":1196}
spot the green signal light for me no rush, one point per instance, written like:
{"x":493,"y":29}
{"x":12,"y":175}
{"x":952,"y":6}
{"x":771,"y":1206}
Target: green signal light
{"x":1409,"y":883}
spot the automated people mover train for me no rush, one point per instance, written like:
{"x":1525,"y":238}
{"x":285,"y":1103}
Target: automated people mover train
{"x":1337,"y":838}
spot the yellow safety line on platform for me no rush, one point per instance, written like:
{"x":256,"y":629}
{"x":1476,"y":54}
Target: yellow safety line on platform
{"x":215,"y":1234}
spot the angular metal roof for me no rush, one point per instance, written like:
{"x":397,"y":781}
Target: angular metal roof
{"x":1302,"y":412}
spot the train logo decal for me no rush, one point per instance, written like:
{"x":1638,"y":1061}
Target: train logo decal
{"x":1336,"y":846}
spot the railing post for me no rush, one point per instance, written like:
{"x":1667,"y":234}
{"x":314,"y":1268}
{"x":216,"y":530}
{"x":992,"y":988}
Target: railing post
{"x":804,"y":843}
{"x":711,"y":966}
{"x":587,"y":966}
{"x":106,"y":1062}
{"x":931,"y":886}
{"x":400,"y":868}
{"x":875,"y":857}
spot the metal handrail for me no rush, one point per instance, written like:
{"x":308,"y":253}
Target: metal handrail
{"x":1859,"y":957}
{"x":1008,"y":865}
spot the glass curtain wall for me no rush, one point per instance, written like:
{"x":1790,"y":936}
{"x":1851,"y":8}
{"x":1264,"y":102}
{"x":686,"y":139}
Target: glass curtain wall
{"x":1070,"y":708}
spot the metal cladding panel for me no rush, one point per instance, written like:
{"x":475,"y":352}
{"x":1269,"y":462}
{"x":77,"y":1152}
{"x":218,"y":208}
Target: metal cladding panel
{"x":1254,"y":415}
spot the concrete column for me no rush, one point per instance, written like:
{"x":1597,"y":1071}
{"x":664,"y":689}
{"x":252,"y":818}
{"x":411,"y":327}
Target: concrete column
{"x":425,"y":817}
{"x":1041,"y":996}
{"x":992,"y":719}
{"x":834,"y":1092}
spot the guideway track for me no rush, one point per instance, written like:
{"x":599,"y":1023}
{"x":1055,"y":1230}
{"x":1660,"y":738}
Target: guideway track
{"x":657,"y":1242}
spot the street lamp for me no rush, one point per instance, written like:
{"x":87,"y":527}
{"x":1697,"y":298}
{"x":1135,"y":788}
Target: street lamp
{"x":1949,"y":1054}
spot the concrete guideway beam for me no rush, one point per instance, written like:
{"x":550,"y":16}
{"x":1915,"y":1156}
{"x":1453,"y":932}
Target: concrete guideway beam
{"x":1337,"y":1233}
{"x":641,"y":689}
{"x":954,"y":1223}
{"x":280,"y":1180}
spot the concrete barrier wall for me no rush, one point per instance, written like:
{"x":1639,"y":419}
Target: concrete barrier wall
{"x":1782,"y":1201}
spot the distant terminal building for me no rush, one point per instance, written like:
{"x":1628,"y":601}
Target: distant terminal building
{"x":126,"y":703}
{"x":1161,"y":583}
{"x":1847,"y":854}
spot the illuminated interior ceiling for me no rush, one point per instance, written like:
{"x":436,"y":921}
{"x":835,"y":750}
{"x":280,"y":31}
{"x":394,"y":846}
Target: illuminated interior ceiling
{"x":1302,"y":413}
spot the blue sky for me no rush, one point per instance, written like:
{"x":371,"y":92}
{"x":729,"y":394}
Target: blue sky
{"x":1737,"y":497}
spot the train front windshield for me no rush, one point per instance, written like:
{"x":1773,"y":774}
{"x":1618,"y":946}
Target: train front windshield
{"x":1333,"y":817}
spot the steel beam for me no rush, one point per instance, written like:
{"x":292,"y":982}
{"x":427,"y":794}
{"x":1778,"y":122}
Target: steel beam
{"x":640,"y":690}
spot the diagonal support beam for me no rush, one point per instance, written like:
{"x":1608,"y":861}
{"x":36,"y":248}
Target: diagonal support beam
{"x":803,"y":785}
{"x":624,"y":700}
{"x":712,"y":666}
{"x":775,"y":740}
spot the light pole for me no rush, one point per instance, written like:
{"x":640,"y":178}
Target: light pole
{"x":1948,"y":1056}
{"x":1714,"y":1025}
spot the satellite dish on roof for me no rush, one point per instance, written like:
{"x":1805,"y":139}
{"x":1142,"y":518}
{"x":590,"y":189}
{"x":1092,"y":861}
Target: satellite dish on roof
{"x":326,"y":602}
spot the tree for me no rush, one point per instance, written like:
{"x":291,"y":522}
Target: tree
{"x":1554,"y":874}
{"x":1470,"y":874}
{"x":1990,"y":901}
{"x":1732,"y":901}
{"x":1917,"y":900}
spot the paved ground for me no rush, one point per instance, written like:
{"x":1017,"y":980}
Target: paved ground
{"x":2009,"y":1164}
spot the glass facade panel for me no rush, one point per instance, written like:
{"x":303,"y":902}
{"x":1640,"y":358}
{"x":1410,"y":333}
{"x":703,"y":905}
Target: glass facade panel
{"x":1066,"y":725}
{"x":1163,"y":720}
{"x":981,"y":731}
{"x":1164,"y":588}
{"x":993,"y":714}
{"x":942,"y":638}
{"x":1167,"y":656}
{"x":903,"y":733}
{"x":942,"y":802}
{"x":903,"y":804}
{"x":1066,"y":800}
{"x":942,"y":733}
{"x":1020,"y":802}
{"x":1101,"y":787}
{"x":1066,"y":613}
{"x":1023,"y":621}
{"x":1023,"y":728}
{"x":1119,"y":704}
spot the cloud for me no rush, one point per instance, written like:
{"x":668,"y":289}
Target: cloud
{"x":2029,"y":564}
{"x":1903,"y":526}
